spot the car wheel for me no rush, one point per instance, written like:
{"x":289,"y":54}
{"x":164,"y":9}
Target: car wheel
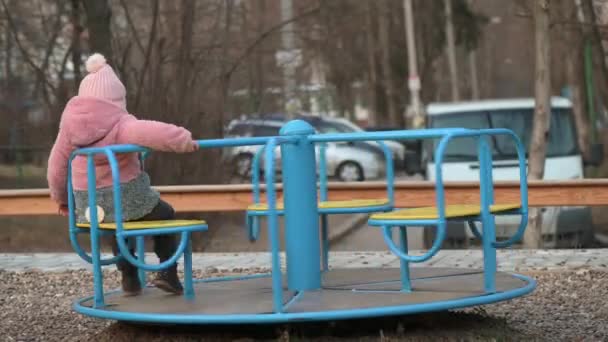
{"x":242,"y":164}
{"x":350,"y":172}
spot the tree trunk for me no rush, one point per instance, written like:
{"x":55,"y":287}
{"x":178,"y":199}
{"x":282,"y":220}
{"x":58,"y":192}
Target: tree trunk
{"x":99,"y":14}
{"x":542,"y":112}
{"x":473,"y":66}
{"x":451,"y":51}
{"x":372,"y":79}
{"x":574,"y":44}
{"x":292,"y":103}
{"x":575,"y":80}
{"x":76,"y":50}
{"x":225,"y":77}
{"x":599,"y":54}
{"x":259,"y":57}
{"x":383,"y":22}
{"x":147,"y":54}
{"x":8,"y":59}
{"x":344,"y":99}
{"x":187,"y":9}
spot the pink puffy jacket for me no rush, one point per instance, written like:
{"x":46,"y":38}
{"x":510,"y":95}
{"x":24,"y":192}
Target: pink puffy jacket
{"x":94,"y":122}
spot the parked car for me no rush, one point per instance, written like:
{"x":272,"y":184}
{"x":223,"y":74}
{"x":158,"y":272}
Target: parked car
{"x":347,"y":161}
{"x":341,"y":125}
{"x":412,"y":151}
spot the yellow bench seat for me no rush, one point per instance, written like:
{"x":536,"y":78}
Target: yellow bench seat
{"x":451,"y":211}
{"x":351,"y":204}
{"x":134,"y":225}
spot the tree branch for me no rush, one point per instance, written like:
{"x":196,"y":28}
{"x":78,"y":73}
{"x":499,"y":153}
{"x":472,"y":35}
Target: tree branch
{"x":148,"y":53}
{"x":132,"y":25}
{"x":52,"y":41}
{"x":265,"y":35}
{"x":28,"y":59}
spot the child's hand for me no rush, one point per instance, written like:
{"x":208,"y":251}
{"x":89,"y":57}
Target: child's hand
{"x":63,"y":210}
{"x":193,"y":146}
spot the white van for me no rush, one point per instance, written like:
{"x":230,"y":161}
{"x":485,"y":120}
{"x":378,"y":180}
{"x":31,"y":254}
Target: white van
{"x":563,"y":227}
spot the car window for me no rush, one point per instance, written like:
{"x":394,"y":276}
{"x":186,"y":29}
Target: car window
{"x":333,"y":127}
{"x":240,"y":130}
{"x":264,"y":131}
{"x":561,"y":139}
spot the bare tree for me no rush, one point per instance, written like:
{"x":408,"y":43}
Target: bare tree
{"x":384,"y":15}
{"x":592,"y":34}
{"x":542,"y":113}
{"x":451,"y":51}
{"x":184,"y":65}
{"x":99,"y":14}
{"x":185,"y":62}
{"x":572,"y":49}
{"x":76,"y":36}
{"x":372,"y":78}
{"x":37,"y":46}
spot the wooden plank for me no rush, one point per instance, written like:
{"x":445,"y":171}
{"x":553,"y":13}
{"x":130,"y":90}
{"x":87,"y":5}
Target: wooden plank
{"x":588,"y":192}
{"x":214,"y":198}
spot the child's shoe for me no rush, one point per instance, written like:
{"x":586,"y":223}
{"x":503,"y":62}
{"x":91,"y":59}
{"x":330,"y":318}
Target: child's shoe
{"x":168,"y":281}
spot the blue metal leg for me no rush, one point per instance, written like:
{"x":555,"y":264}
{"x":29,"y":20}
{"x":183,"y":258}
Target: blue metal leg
{"x":325,"y":238}
{"x":249,"y":227}
{"x":273,"y":231}
{"x":255,"y":228}
{"x":489,"y":254}
{"x":95,"y":243}
{"x":97,"y":273}
{"x":141,"y":255}
{"x":405,"y":265}
{"x":188,"y":287}
{"x":252,"y":223}
{"x":489,"y":233}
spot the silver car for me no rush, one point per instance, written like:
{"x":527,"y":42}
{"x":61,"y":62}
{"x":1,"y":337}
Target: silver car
{"x":346,"y":161}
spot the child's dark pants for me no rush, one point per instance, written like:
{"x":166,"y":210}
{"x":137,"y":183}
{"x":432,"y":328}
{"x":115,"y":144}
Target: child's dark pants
{"x":164,"y":245}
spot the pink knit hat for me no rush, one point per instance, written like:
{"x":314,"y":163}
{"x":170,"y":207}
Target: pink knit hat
{"x":102,"y":82}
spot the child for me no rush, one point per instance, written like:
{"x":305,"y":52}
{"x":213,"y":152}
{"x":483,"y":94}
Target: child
{"x":98,"y":117}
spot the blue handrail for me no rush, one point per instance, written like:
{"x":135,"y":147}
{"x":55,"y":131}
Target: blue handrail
{"x":523,"y":190}
{"x":390,"y":172}
{"x":323,"y":171}
{"x":440,"y":222}
{"x":386,"y":135}
{"x":74,"y":230}
{"x":120,"y":234}
{"x":323,"y":181}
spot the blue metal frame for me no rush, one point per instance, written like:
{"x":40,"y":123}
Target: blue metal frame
{"x":486,"y":200}
{"x":287,"y":317}
{"x":301,"y":211}
{"x":273,"y":227}
{"x":121,"y":235}
{"x":252,"y":221}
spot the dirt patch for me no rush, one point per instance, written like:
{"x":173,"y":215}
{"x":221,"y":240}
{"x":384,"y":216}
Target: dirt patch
{"x":424,"y":327}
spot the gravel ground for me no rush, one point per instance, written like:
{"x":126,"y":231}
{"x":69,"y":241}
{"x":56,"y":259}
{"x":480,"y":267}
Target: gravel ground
{"x":566,"y":306}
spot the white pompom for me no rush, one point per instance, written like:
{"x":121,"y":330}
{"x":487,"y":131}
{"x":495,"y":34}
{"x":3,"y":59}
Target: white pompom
{"x":95,"y":62}
{"x":100,"y":214}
